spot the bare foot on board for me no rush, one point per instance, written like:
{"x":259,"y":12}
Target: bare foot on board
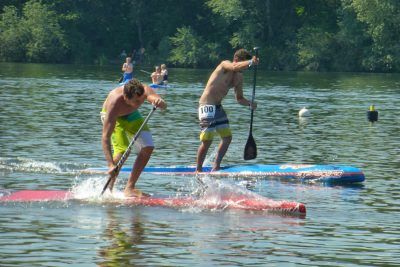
{"x":214,"y":169}
{"x":135,"y":193}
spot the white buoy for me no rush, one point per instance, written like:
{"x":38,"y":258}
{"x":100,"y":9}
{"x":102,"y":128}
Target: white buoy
{"x":304,"y":112}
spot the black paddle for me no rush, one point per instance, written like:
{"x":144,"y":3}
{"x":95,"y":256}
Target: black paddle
{"x":125,"y":156}
{"x":250,"y":150}
{"x":147,"y":72}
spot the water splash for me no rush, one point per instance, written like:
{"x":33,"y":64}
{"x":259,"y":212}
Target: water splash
{"x":211,"y":158}
{"x":217,"y":195}
{"x":89,"y":189}
{"x":220,"y":194}
{"x":33,"y":166}
{"x":211,"y":195}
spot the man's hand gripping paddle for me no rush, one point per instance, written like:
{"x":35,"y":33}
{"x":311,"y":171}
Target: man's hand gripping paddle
{"x":250,"y":150}
{"x":125,"y":156}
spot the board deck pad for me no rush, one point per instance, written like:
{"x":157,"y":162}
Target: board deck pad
{"x":327,"y":174}
{"x":228,"y":202}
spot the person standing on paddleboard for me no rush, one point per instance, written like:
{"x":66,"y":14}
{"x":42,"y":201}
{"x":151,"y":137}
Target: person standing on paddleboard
{"x":121,"y":120}
{"x":127,"y":68}
{"x":164,"y":73}
{"x":156,"y":76}
{"x":211,"y":113}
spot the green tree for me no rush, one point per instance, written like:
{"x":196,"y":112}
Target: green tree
{"x":36,"y":36}
{"x":351,"y":40}
{"x":46,"y":42}
{"x":314,"y":48}
{"x":12,"y":36}
{"x":269,"y":24}
{"x":189,"y":49}
{"x":383,"y":26}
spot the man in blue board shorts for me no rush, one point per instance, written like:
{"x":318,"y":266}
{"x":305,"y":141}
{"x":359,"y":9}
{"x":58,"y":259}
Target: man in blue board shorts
{"x":127,"y":68}
{"x":121,"y":120}
{"x":212,"y":116}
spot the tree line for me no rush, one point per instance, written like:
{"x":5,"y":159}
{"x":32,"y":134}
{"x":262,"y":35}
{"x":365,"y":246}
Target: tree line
{"x":316,"y":35}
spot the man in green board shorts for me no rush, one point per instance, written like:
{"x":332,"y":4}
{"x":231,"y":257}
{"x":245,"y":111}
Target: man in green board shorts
{"x":121,"y":120}
{"x":211,"y":113}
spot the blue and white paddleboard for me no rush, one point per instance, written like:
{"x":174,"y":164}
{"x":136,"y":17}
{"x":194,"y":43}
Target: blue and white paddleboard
{"x":327,"y":174}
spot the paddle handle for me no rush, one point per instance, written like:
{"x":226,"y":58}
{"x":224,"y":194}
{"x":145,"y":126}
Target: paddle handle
{"x":253,"y":96}
{"x":147,"y":72}
{"x":127,"y":152}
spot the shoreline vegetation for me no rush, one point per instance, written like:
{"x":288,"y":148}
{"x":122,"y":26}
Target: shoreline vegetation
{"x":321,"y":35}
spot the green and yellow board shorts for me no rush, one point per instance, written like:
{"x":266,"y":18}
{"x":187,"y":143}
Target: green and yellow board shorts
{"x":213,"y":119}
{"x":125,"y":129}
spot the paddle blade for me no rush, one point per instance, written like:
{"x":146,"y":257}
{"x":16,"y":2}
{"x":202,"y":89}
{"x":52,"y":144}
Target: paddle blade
{"x":250,"y":150}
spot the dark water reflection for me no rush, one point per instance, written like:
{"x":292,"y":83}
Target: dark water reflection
{"x":50,"y":130}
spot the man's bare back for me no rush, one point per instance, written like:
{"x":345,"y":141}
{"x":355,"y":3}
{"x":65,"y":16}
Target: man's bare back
{"x":219,"y":83}
{"x":116,"y":104}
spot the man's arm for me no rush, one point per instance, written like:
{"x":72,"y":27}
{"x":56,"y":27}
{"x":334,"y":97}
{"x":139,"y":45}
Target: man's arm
{"x":239,"y":94}
{"x":153,"y":77}
{"x":154,"y":98}
{"x":108,"y":128}
{"x":238,"y":66}
{"x":235,"y":66}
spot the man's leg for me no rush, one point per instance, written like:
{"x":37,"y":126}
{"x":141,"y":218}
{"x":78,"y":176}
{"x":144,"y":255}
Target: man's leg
{"x":140,"y":162}
{"x":201,"y":154}
{"x":222,"y":148}
{"x":116,"y":158}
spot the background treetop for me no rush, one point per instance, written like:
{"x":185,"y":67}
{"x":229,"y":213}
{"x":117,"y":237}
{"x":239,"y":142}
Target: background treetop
{"x":318,"y":35}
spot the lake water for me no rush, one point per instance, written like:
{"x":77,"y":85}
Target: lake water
{"x":50,"y":130}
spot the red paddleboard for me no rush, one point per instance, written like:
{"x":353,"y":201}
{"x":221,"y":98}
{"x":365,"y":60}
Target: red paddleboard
{"x":35,"y":195}
{"x":229,"y":202}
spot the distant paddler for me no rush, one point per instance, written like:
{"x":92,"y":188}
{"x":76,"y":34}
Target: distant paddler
{"x":164,"y":73}
{"x":156,"y":76}
{"x":127,"y":68}
{"x":122,"y":120}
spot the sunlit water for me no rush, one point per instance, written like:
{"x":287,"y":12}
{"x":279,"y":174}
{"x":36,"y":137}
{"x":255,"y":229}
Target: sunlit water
{"x":50,"y":131}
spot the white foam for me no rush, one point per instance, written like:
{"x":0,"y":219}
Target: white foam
{"x":90,"y":189}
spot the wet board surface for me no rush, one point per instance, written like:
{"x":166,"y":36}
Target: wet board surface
{"x":228,"y":202}
{"x":328,"y":174}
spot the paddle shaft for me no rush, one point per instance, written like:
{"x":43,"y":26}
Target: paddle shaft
{"x":127,"y":152}
{"x":253,"y":96}
{"x":145,"y":72}
{"x":250,"y":150}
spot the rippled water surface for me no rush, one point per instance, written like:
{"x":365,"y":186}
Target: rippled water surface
{"x":50,"y":130}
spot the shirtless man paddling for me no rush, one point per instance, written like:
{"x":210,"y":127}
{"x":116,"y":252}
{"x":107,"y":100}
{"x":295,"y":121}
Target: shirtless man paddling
{"x":121,"y":120}
{"x":211,"y":113}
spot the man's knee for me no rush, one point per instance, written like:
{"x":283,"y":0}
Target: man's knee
{"x":206,"y":143}
{"x":145,"y":153}
{"x":227,"y":139}
{"x":147,"y":150}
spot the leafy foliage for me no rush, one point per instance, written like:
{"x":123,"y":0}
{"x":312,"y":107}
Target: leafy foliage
{"x":36,"y":36}
{"x":190,"y":49}
{"x":45,"y":38}
{"x":316,"y":35}
{"x":12,"y":35}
